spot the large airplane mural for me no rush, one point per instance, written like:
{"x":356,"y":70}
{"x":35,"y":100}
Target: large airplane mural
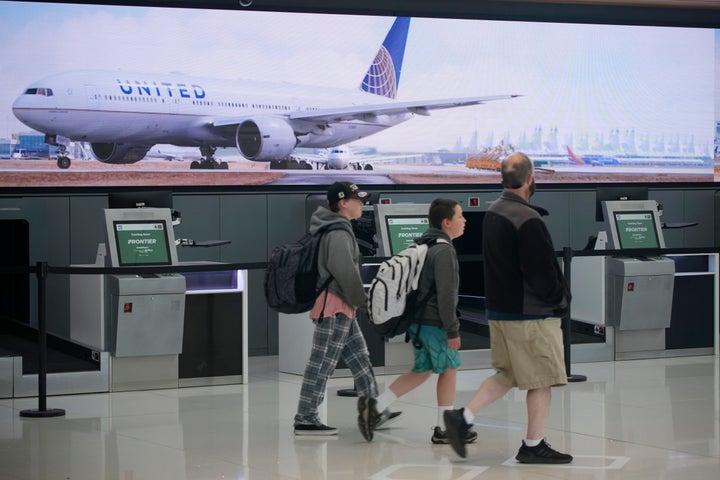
{"x":122,"y":115}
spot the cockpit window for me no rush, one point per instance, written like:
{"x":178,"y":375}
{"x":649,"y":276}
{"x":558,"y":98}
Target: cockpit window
{"x":46,"y":92}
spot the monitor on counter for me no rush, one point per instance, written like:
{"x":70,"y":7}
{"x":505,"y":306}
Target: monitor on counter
{"x":611,"y":193}
{"x":141,"y":199}
{"x":402,"y":230}
{"x":398,"y":225}
{"x":633,"y":225}
{"x":140,"y":237}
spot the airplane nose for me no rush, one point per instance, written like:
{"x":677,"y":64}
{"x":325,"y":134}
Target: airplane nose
{"x":17,"y":110}
{"x":35,"y":111}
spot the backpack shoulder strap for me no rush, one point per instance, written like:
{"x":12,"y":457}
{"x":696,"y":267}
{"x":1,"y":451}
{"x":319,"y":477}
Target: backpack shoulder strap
{"x":321,"y":232}
{"x":330,"y":227}
{"x":422,"y":302}
{"x":431,"y":242}
{"x":434,"y":241}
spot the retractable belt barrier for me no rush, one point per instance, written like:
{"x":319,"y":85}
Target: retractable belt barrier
{"x":42,"y":270}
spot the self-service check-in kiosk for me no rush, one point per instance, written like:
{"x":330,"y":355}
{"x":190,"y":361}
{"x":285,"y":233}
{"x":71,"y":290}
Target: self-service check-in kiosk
{"x":145,"y":311}
{"x":142,"y":314}
{"x":639,"y":289}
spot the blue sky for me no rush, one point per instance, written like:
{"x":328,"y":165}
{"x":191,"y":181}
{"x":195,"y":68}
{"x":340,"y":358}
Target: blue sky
{"x":580,"y":79}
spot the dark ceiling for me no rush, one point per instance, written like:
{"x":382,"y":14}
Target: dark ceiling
{"x":690,"y":13}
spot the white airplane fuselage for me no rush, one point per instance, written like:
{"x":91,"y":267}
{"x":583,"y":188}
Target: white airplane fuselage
{"x":141,"y":108}
{"x":123,"y":114}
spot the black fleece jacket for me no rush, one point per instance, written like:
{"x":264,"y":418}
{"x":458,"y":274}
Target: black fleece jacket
{"x":522,"y":276}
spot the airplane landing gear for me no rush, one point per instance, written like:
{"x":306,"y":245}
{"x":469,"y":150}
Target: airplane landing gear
{"x":290,"y":164}
{"x":208,"y":161}
{"x":278,"y":165}
{"x":208,"y":164}
{"x":63,"y":161}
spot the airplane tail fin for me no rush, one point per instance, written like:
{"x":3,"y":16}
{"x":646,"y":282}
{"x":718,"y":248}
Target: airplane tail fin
{"x":383,"y":76}
{"x":574,"y":157}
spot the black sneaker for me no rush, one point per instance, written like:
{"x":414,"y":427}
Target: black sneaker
{"x":542,"y":453}
{"x":312,"y":429}
{"x":368,"y":417}
{"x":439,"y":436}
{"x":456,"y":430}
{"x":386,"y":418}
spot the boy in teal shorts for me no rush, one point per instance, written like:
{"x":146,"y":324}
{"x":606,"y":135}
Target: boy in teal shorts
{"x":439,"y":328}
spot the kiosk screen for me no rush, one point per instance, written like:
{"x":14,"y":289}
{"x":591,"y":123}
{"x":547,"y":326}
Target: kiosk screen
{"x":403,"y":229}
{"x":636,"y":229}
{"x":142,"y":242}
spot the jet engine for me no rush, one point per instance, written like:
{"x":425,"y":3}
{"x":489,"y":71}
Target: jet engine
{"x":265,"y":139}
{"x":119,"y":152}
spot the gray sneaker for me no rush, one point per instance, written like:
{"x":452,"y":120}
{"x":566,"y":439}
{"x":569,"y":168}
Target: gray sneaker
{"x":387,"y":418}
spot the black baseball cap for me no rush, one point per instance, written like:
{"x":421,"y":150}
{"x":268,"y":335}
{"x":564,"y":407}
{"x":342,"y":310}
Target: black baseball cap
{"x":344,"y":190}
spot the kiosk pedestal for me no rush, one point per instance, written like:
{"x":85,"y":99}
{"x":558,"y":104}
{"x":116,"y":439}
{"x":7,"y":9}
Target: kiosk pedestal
{"x":639,"y":301}
{"x":138,"y":320}
{"x":146,"y":328}
{"x":146,"y":314}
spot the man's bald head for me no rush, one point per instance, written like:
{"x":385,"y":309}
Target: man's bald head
{"x":516,"y":169}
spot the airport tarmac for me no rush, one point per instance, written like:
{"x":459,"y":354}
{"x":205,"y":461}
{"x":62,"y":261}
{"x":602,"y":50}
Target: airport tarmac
{"x":155,"y":172}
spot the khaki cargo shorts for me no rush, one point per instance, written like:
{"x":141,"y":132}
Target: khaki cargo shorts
{"x":528,"y":354}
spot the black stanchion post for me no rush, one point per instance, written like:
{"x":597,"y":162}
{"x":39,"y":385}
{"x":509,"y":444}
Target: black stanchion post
{"x":42,"y":411}
{"x":567,"y":332}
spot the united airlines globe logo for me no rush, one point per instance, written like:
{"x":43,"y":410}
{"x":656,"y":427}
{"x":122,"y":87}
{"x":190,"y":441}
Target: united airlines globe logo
{"x":380,"y":78}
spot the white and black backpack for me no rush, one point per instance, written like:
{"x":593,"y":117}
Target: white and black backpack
{"x":393,"y":303}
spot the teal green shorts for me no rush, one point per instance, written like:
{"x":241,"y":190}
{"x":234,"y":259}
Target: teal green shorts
{"x":435,"y":354}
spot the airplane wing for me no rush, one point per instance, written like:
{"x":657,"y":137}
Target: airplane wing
{"x":420,"y":107}
{"x":366,"y":112}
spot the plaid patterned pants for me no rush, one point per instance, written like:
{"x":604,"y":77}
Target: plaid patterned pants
{"x":335,"y":337}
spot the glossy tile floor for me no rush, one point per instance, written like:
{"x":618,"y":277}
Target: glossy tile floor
{"x":641,"y":419}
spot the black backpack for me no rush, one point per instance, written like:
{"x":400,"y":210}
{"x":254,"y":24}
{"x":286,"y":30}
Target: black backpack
{"x":292,"y":273}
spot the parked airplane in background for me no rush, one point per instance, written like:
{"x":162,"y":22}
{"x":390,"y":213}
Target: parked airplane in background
{"x":594,"y":160}
{"x":335,"y":158}
{"x":171,"y":153}
{"x":122,"y":115}
{"x":343,"y":157}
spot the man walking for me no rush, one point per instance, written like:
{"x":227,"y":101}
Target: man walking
{"x":526,"y":296}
